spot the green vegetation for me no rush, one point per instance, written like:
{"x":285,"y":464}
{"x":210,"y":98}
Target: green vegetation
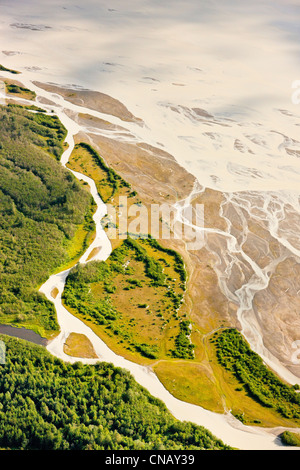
{"x":4,"y":69}
{"x":190,"y":381}
{"x":42,"y":130}
{"x":137,"y":302}
{"x":290,"y":438}
{"x":41,"y":205}
{"x":134,"y":297}
{"x":111,"y":182}
{"x":179,"y":264}
{"x":142,"y":314}
{"x":20,"y":91}
{"x":78,"y":345}
{"x":46,"y":404}
{"x":111,"y":187}
{"x":184,"y":347}
{"x":153,"y":268}
{"x":235,"y":355}
{"x":31,"y":107}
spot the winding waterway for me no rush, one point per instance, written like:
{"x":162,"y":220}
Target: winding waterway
{"x":204,"y":78}
{"x":225,"y":426}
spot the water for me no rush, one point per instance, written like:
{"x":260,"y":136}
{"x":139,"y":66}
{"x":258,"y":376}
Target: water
{"x":226,"y":427}
{"x":163,"y":61}
{"x":23,"y":333}
{"x":212,"y":82}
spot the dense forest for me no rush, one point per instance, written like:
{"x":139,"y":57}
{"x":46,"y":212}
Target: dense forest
{"x":48,"y":404}
{"x":44,"y":402}
{"x":41,"y":206}
{"x":234,"y":353}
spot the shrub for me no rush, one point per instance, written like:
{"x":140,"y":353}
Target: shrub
{"x":290,"y":438}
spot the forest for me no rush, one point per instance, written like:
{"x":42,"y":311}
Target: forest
{"x":41,"y":207}
{"x":135,"y":297}
{"x":47,"y":404}
{"x":235,"y":355}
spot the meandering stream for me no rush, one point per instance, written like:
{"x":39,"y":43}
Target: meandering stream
{"x":213,"y":94}
{"x":225,"y":426}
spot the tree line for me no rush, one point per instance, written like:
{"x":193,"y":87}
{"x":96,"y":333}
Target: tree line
{"x":46,"y":404}
{"x":41,"y":206}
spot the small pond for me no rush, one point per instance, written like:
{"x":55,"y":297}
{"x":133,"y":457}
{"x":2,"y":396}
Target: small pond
{"x":23,"y":333}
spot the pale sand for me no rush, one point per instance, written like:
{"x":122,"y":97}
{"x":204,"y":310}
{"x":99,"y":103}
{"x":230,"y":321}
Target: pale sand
{"x":93,"y":100}
{"x":248,"y":125}
{"x":237,"y":62}
{"x":225,"y":427}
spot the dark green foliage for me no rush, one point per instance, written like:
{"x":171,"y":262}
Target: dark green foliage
{"x":183,"y":347}
{"x":4,"y":69}
{"x":94,"y":271}
{"x":262,"y":384}
{"x":179,"y":263}
{"x":46,"y":132}
{"x":290,"y":438}
{"x":176,"y":298}
{"x":30,"y":108}
{"x":147,"y":351}
{"x":46,"y":404}
{"x":153,"y":268}
{"x":12,"y":88}
{"x":113,"y":179}
{"x":77,"y":294}
{"x":41,"y":205}
{"x":135,"y":282}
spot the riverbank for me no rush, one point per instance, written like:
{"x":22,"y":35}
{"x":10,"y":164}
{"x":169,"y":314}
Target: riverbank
{"x":23,"y":333}
{"x":143,"y":375}
{"x":220,"y":424}
{"x":233,"y":128}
